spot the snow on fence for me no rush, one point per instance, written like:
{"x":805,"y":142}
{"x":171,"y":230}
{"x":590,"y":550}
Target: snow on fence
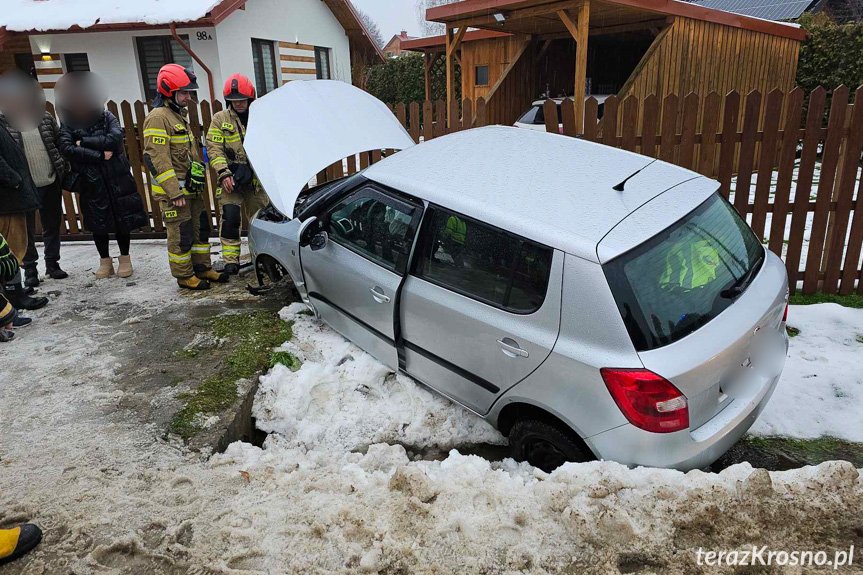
{"x":728,"y":139}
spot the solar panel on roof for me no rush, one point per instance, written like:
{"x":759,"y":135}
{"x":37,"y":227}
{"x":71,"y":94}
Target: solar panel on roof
{"x":766,"y":9}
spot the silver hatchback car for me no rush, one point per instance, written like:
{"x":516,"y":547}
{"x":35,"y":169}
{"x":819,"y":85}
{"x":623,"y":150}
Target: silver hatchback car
{"x":586,"y":301}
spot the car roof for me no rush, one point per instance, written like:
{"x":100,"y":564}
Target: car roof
{"x":600,"y":98}
{"x":550,"y":188}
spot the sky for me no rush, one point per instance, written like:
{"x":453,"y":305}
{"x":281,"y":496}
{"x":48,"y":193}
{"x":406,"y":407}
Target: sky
{"x":392,"y":16}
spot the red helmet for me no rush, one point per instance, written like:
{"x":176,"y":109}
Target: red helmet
{"x":238,"y":87}
{"x":173,"y":77}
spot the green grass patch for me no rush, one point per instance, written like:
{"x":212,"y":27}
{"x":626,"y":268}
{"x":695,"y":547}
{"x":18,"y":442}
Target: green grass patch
{"x":792,"y":331}
{"x":860,"y":339}
{"x":186,"y":353}
{"x":258,"y":333}
{"x":855,"y":301}
{"x":811,"y":451}
{"x":285,"y":358}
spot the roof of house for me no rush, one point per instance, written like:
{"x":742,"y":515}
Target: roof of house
{"x":553,"y":189}
{"x":430,"y":42}
{"x":535,"y":16}
{"x":766,"y":9}
{"x":63,"y":15}
{"x":399,"y":38}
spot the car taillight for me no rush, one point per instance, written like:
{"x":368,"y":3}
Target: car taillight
{"x":785,"y":315}
{"x":648,"y":401}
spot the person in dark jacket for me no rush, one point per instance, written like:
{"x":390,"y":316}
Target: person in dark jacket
{"x":18,"y":194}
{"x":91,"y":139}
{"x":47,"y":168}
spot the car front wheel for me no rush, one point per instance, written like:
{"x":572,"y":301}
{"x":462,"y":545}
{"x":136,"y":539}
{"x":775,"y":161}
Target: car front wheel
{"x":544,"y":446}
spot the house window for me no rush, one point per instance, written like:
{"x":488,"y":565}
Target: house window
{"x":322,"y":63}
{"x":24,"y":62}
{"x":481,"y":75}
{"x":77,"y":63}
{"x":264,"y":60}
{"x":156,"y":51}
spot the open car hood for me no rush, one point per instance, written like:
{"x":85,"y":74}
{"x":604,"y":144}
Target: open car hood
{"x":301,"y":128}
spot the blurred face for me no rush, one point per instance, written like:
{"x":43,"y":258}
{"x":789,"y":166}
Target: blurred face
{"x":183,"y":98}
{"x":240,"y":106}
{"x":80,"y":97}
{"x":22,"y":100}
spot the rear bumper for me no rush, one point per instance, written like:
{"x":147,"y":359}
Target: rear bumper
{"x":684,"y":450}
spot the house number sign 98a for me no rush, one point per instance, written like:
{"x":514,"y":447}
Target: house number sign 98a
{"x":203,"y":35}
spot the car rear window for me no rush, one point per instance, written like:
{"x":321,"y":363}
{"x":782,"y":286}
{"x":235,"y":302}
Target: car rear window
{"x":536,"y":115}
{"x":683,"y":277}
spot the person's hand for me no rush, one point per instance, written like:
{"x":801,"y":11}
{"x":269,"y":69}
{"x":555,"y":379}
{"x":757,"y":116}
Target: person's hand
{"x":109,"y":155}
{"x":228,"y":184}
{"x":179,"y":202}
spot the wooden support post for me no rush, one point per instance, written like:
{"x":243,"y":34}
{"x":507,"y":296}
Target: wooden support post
{"x":581,"y":34}
{"x":428,"y":64}
{"x":453,"y":41}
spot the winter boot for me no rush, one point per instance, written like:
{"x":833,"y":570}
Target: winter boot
{"x":212,"y":275}
{"x":231,"y":269}
{"x":31,"y":277}
{"x":21,"y":321}
{"x":6,"y":335}
{"x":106,"y":268}
{"x":19,"y":300}
{"x":124,"y":270}
{"x":54,"y":272}
{"x":17,"y":542}
{"x":193,"y":283}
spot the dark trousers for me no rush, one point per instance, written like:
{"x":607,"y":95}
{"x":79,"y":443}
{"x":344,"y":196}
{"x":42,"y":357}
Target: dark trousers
{"x":51,"y":215}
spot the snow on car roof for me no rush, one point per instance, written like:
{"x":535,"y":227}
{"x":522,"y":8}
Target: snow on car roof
{"x":23,"y":15}
{"x":550,"y":188}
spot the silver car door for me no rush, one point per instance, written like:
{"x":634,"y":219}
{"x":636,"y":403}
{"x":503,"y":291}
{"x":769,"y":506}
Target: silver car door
{"x":480,"y":310}
{"x":354,"y":263}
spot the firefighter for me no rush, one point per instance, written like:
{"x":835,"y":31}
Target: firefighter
{"x":238,"y":188}
{"x":175,"y":160}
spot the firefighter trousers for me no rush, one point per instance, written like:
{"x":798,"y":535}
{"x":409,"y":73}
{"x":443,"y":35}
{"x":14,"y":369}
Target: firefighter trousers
{"x":234,"y":205}
{"x":188,"y":230}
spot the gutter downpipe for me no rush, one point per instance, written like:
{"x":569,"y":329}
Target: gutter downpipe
{"x":196,"y":59}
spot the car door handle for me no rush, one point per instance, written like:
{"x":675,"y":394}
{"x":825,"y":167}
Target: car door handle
{"x":379,"y":296}
{"x":510,"y":347}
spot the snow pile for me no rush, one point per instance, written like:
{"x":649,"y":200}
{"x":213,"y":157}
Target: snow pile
{"x":24,"y":15}
{"x":381,"y":513}
{"x":821,"y":390}
{"x":343,"y":399}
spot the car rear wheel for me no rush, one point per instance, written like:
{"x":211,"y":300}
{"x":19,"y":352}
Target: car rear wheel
{"x":544,"y":446}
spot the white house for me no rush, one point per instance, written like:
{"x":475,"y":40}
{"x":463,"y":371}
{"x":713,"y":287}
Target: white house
{"x":127,"y":41}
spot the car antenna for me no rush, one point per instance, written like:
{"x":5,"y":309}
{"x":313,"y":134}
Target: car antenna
{"x":619,"y":187}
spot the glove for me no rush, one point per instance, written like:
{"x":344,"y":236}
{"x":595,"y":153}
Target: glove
{"x":196,"y":179}
{"x":242,"y":174}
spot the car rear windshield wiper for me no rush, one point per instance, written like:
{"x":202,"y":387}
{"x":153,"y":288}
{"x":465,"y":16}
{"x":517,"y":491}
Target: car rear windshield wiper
{"x":740,"y":283}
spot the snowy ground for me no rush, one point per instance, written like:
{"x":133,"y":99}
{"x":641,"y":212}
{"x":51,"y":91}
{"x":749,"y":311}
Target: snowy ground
{"x":114,"y":498}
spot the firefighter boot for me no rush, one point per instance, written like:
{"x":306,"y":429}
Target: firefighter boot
{"x":231,"y":269}
{"x":19,"y":300}
{"x":19,"y":541}
{"x":210,"y":274}
{"x":193,"y":283}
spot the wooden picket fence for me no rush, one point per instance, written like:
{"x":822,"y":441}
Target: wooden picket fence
{"x":759,"y":149}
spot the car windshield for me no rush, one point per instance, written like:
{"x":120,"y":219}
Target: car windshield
{"x":683,"y":277}
{"x":536,"y":115}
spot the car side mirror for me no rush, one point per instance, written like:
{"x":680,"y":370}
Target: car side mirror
{"x":318,"y":241}
{"x":307,"y":230}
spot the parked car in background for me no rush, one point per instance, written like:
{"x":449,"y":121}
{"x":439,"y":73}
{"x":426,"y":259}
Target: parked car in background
{"x":613,"y":306}
{"x":534,"y":118}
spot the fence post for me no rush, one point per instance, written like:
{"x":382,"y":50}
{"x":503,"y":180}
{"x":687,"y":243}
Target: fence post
{"x":793,"y":109}
{"x":766,"y":160}
{"x":728,"y":149}
{"x":648,"y":126}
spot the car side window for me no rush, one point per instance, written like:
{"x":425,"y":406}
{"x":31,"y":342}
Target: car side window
{"x":374,"y":225}
{"x":485,"y":263}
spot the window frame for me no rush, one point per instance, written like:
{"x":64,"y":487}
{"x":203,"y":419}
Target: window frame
{"x":167,"y":57}
{"x":325,"y":52}
{"x":257,"y":49}
{"x":422,"y":245}
{"x":73,"y":55}
{"x":487,"y":74}
{"x":397,"y":202}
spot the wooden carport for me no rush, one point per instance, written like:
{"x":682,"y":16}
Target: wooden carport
{"x":691,"y":48}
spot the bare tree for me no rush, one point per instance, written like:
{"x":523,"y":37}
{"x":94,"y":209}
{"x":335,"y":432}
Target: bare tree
{"x":430,"y":28}
{"x":372,"y":27}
